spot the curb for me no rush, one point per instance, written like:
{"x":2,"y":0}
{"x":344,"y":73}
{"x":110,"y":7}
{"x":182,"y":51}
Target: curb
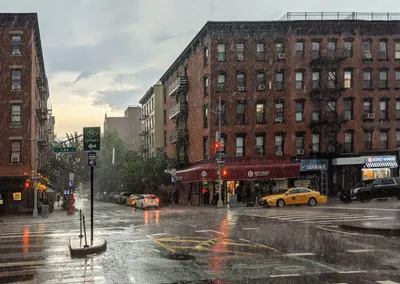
{"x":385,"y":231}
{"x":77,"y":252}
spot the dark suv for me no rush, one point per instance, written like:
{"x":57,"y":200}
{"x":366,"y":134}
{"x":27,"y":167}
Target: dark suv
{"x":378,"y":188}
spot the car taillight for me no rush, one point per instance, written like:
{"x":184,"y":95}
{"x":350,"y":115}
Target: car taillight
{"x":145,"y":200}
{"x":158,"y":200}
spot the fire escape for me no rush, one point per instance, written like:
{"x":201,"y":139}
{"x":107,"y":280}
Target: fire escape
{"x":42,"y":110}
{"x":325,"y":92}
{"x":179,"y":114}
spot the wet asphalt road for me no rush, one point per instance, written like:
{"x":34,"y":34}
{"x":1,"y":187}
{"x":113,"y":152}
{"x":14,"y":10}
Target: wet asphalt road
{"x":205,"y":245}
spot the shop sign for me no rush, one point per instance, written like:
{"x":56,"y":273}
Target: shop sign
{"x":17,"y":196}
{"x":258,"y":174}
{"x":313,"y":165}
{"x":380,"y":159}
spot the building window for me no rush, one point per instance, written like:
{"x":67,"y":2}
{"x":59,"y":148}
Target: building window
{"x":367,"y":50}
{"x":384,"y":140}
{"x":260,"y":51}
{"x":397,"y":50}
{"x":240,"y":111}
{"x":205,"y":116}
{"x":397,"y":109}
{"x":205,"y":85}
{"x":165,"y":116}
{"x":299,"y":80}
{"x":332,"y":106}
{"x":15,"y":151}
{"x":221,"y":81}
{"x":16,"y":79}
{"x":223,"y":112}
{"x":315,"y":115}
{"x":315,"y":143}
{"x":279,"y":144}
{"x":16,"y":41}
{"x":16,"y":115}
{"x":331,"y":48}
{"x":205,"y":147}
{"x":383,"y":49}
{"x":260,"y":80}
{"x":299,"y":50}
{"x":260,"y":113}
{"x":299,"y":111}
{"x":165,"y":95}
{"x":315,"y":50}
{"x":279,"y":81}
{"x":348,"y":110}
{"x":279,"y":48}
{"x":383,"y":83}
{"x":397,"y":139}
{"x":367,"y":80}
{"x":240,"y":51}
{"x":222,"y":144}
{"x":240,"y":82}
{"x":206,"y":54}
{"x":347,"y":79}
{"x":315,"y":80}
{"x":239,"y":146}
{"x":349,"y":142}
{"x":398,"y":79}
{"x":383,"y":107}
{"x":279,"y":112}
{"x":165,"y":138}
{"x":368,"y":141}
{"x":367,"y":109}
{"x":221,"y":51}
{"x":299,"y":142}
{"x":260,"y":145}
{"x":331,"y":79}
{"x":348,"y":49}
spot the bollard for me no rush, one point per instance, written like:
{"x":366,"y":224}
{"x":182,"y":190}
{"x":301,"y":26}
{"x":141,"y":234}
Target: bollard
{"x":80,"y":223}
{"x":84,"y":231}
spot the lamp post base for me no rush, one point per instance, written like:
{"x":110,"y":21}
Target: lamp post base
{"x":35,"y":213}
{"x":220,"y":204}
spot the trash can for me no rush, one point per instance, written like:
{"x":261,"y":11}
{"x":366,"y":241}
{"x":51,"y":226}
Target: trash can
{"x":45,"y":211}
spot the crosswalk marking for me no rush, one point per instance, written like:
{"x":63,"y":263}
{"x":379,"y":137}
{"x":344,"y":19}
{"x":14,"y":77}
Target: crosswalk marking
{"x":387,"y":282}
{"x":316,"y":217}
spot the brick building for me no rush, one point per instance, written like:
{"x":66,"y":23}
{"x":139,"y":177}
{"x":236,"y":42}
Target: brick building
{"x":152,"y":121}
{"x":323,"y":91}
{"x":25,"y":93}
{"x":127,"y":127}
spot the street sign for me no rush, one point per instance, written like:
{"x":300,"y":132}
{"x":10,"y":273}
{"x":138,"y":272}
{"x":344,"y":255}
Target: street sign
{"x":70,"y":183}
{"x":173,"y":178}
{"x":92,"y":159}
{"x":173,"y":172}
{"x":64,"y":149}
{"x":91,"y":138}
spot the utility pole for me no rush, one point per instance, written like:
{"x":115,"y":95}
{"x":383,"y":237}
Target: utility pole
{"x":35,"y":182}
{"x":220,"y":202}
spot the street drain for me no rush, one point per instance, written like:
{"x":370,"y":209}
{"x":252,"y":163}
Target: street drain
{"x":181,"y":256}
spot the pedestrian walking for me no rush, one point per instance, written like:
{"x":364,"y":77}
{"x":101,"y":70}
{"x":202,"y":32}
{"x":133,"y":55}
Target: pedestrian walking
{"x":58,"y":199}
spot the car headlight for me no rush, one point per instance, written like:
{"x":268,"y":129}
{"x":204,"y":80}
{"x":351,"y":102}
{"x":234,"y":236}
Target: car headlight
{"x":270,"y":199}
{"x":355,"y":190}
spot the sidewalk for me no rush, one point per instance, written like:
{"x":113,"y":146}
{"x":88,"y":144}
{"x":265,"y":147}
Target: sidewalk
{"x":391,"y":227}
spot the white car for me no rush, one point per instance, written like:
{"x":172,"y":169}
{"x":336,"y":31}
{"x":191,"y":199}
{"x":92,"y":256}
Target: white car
{"x":147,"y":200}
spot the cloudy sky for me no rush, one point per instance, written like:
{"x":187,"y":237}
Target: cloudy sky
{"x":102,"y":55}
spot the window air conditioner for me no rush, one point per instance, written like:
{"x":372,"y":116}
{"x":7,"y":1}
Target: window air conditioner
{"x":280,"y":56}
{"x":261,"y":87}
{"x":15,"y":159}
{"x":16,"y":86}
{"x":279,"y":153}
{"x":300,"y":152}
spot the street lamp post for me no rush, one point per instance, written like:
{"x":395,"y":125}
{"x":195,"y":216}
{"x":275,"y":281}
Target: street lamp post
{"x":35,"y":183}
{"x":220,"y":162}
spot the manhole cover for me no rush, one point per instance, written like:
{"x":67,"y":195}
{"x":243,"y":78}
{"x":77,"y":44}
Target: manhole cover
{"x":180,"y":256}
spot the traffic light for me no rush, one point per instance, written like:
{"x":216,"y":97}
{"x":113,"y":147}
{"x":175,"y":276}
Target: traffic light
{"x":224,"y":173}
{"x":217,"y":146}
{"x":27,"y":184}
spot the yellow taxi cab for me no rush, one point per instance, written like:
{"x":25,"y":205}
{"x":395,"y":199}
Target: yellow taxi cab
{"x":131,"y":200}
{"x":294,"y":196}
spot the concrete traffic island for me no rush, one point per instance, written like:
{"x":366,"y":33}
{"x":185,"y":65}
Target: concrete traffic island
{"x":78,"y":249}
{"x":375,"y":227}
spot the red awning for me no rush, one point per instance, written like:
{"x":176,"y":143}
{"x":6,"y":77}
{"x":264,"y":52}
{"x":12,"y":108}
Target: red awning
{"x":241,"y":170}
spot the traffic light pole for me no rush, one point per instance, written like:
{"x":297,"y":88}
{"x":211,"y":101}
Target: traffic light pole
{"x":220,"y":202}
{"x":35,"y":182}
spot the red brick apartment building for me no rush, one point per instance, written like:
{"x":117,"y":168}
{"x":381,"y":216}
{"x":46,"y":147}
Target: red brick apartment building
{"x":24,"y":108}
{"x":312,"y":97}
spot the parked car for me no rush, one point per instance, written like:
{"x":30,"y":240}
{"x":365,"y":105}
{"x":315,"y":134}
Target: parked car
{"x":132,"y":200}
{"x":147,"y":200}
{"x":122,"y":197}
{"x":376,"y":188}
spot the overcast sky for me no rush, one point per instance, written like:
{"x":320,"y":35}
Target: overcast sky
{"x":102,"y":56}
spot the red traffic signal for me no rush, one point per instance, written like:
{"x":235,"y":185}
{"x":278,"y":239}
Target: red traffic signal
{"x":27,"y":184}
{"x":217,"y":145}
{"x":224,"y":173}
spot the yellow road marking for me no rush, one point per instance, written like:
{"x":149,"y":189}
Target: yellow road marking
{"x":164,"y":246}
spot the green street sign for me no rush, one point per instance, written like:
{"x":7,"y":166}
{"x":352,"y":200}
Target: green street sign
{"x":64,"y":149}
{"x":91,"y":138}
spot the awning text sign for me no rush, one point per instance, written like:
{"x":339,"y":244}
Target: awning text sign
{"x":381,"y":159}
